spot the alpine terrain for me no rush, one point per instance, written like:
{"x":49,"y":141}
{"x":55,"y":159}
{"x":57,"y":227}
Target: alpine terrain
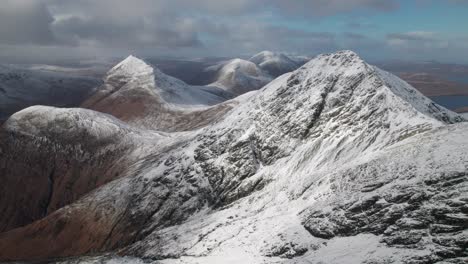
{"x":238,"y":76}
{"x":334,"y":162}
{"x":143,"y":96}
{"x":275,"y":64}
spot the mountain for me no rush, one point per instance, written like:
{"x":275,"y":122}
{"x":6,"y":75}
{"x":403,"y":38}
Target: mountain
{"x":143,"y":96}
{"x":238,"y":76}
{"x":21,"y":87}
{"x":54,"y":156}
{"x":299,"y":59}
{"x":275,"y":64}
{"x":335,"y":162}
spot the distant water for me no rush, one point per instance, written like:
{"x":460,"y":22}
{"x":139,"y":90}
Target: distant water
{"x":459,"y":79}
{"x":451,"y":101}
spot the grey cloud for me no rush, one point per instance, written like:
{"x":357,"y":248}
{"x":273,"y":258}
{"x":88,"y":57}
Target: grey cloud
{"x":354,"y":36}
{"x":464,"y":2}
{"x":425,"y":45}
{"x":196,"y":28}
{"x":361,"y":43}
{"x":176,"y":23}
{"x":360,"y":25}
{"x":251,"y":36}
{"x":331,"y":7}
{"x":137,"y":32}
{"x":412,"y":36}
{"x":25,"y":22}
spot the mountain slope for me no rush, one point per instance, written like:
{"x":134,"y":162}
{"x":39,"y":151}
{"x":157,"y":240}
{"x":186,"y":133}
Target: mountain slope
{"x":143,"y":96}
{"x":51,"y":157}
{"x":337,"y":161}
{"x":239,"y":76}
{"x":275,"y":64}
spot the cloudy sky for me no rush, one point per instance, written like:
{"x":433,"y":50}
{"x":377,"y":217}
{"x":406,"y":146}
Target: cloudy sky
{"x":58,"y":30}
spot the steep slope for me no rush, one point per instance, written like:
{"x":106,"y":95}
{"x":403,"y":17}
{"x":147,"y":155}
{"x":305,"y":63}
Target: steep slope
{"x":239,"y":76}
{"x":143,"y":96}
{"x":337,"y":162}
{"x":50,"y":157}
{"x":20,"y":88}
{"x":275,"y":64}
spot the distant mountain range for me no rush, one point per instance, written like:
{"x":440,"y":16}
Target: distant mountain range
{"x":22,"y":87}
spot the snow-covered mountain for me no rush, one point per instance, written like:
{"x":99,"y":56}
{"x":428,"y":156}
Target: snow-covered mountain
{"x":336,"y":162}
{"x":238,"y":76}
{"x":22,"y":87}
{"x":65,"y":153}
{"x":143,"y":96}
{"x":275,"y":64}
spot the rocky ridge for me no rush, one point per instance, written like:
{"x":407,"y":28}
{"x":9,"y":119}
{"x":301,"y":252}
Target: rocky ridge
{"x":143,"y":96}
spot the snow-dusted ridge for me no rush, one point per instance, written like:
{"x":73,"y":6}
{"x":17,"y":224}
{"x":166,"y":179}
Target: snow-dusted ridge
{"x":337,"y":162}
{"x":143,"y":96}
{"x":239,"y":76}
{"x":274,"y":63}
{"x":172,"y":91}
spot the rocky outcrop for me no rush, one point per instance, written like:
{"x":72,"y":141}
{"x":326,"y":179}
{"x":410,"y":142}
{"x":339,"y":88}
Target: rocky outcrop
{"x":419,"y":206}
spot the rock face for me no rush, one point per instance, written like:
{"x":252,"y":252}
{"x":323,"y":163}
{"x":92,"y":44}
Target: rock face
{"x":143,"y":96}
{"x":336,"y":162}
{"x":21,"y":88}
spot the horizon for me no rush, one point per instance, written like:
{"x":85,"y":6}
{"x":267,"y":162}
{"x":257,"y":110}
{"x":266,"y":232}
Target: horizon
{"x":52,"y":31}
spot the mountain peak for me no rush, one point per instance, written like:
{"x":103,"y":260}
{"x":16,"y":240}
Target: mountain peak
{"x":130,"y":66}
{"x":344,"y":58}
{"x":265,"y":53}
{"x":338,"y":62}
{"x":242,"y":65}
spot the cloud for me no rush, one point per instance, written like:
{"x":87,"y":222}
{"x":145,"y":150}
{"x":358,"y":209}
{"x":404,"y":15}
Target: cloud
{"x":425,"y":45}
{"x":25,"y":22}
{"x":139,"y":32}
{"x":250,"y":36}
{"x":35,"y":28}
{"x":354,"y":36}
{"x":464,"y":2}
{"x":169,"y":23}
{"x":363,"y":44}
{"x":412,"y":36}
{"x":226,"y":26}
{"x":332,"y":7}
